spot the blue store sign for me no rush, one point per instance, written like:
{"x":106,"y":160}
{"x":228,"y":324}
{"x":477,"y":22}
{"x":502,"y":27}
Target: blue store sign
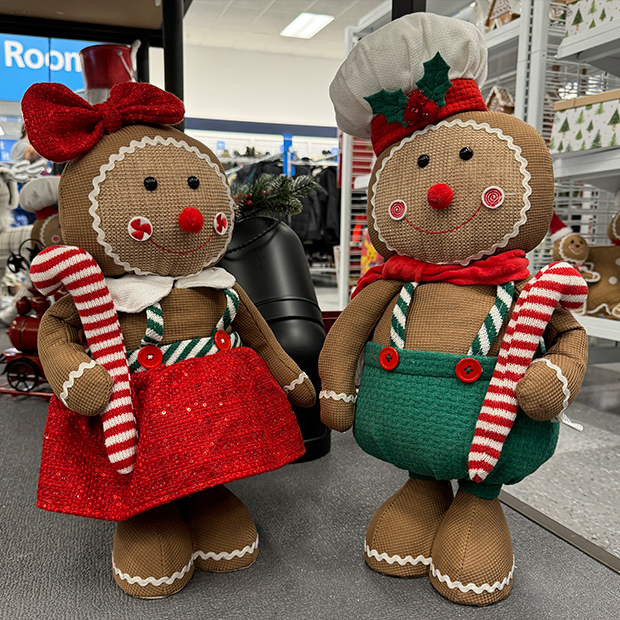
{"x":26,"y":60}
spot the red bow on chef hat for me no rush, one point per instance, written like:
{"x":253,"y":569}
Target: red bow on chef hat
{"x":62,"y":126}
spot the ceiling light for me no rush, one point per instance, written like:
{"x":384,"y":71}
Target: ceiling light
{"x":306,"y":25}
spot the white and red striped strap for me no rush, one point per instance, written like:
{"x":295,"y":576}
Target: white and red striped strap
{"x":77,"y":270}
{"x":557,"y":283}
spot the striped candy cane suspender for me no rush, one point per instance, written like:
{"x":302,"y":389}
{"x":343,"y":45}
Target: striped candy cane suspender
{"x":557,"y":283}
{"x":77,"y":270}
{"x":399,"y":315}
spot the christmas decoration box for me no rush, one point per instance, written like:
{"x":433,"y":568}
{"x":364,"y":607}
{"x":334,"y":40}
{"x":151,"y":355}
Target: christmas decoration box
{"x":583,"y":15}
{"x":584,"y":123}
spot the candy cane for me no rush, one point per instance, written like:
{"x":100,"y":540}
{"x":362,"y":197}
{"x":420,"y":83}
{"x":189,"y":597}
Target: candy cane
{"x":77,"y":270}
{"x":557,"y":283}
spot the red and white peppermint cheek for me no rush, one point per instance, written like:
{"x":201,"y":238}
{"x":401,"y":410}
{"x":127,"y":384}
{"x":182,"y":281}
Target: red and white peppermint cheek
{"x":398,"y":210}
{"x":140,"y":228}
{"x":220,"y":223}
{"x":493,"y":197}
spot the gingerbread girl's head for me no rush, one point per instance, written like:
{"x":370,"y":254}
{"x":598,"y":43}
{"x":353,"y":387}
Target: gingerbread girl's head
{"x":137,"y":194}
{"x":452,"y":182}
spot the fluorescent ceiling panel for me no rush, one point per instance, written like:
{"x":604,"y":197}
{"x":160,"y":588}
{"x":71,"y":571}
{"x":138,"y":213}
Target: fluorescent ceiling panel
{"x":306,"y":25}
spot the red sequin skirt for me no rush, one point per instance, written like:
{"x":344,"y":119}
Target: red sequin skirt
{"x":202,"y":422}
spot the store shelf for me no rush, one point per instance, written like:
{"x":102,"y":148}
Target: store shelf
{"x":600,"y":328}
{"x":599,"y":46}
{"x":599,"y":167}
{"x":503,"y":45}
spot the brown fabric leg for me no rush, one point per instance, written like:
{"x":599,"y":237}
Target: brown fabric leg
{"x":152,"y":554}
{"x":223,"y":533}
{"x":400,"y":534}
{"x":472,"y":553}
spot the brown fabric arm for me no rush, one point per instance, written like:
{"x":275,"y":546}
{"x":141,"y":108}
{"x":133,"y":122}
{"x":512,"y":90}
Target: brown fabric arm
{"x":543,"y":390}
{"x":61,"y":353}
{"x":342,"y":348}
{"x":256,"y":334}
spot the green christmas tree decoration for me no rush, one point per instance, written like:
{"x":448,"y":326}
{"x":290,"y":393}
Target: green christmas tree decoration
{"x":552,"y":143}
{"x":569,"y":148}
{"x":590,"y":126}
{"x":565,"y":126}
{"x":596,"y":143}
{"x":561,"y":147}
{"x":600,"y":109}
{"x":592,"y":7}
{"x":581,"y":119}
{"x":579,"y":136}
{"x":614,"y":141}
{"x":593,"y":24}
{"x":603,"y":15}
{"x":390,"y":104}
{"x":578,"y":18}
{"x":589,"y":106}
{"x":615,"y":118}
{"x":583,"y":146}
{"x":435,"y":82}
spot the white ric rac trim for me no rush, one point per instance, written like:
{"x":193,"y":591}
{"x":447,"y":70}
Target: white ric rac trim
{"x":293,"y":384}
{"x":395,"y":559}
{"x":73,"y":375}
{"x":348,"y":398}
{"x":116,"y":157}
{"x":209,"y":555}
{"x":562,"y":417}
{"x":486,"y":127}
{"x":472,"y":587}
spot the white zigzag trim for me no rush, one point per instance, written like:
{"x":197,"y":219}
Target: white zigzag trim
{"x":348,"y":398}
{"x":472,"y":587}
{"x":73,"y":375}
{"x":209,"y":555}
{"x":293,"y":384}
{"x":395,"y":559}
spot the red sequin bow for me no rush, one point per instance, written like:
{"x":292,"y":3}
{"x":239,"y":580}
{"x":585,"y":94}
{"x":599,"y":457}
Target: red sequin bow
{"x":62,"y":126}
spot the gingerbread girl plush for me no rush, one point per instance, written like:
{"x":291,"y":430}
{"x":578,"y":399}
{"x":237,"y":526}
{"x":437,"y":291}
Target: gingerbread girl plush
{"x":183,"y":386}
{"x":446,"y":329}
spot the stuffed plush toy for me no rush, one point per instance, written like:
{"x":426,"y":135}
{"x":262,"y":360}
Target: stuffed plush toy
{"x":183,"y":386}
{"x":446,"y":328}
{"x":40,"y":196}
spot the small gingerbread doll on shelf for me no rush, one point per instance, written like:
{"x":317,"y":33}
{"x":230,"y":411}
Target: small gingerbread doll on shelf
{"x":467,"y":361}
{"x":183,"y":387}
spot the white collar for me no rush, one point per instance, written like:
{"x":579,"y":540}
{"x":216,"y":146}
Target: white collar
{"x":133,"y":293}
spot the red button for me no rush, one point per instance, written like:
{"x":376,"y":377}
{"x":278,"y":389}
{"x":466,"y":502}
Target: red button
{"x":388,"y":358}
{"x":222,"y":340}
{"x":150,"y":356}
{"x":468,"y":370}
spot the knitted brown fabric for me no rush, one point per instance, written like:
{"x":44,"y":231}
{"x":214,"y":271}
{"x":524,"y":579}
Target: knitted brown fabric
{"x":47,"y":231}
{"x":224,"y":536}
{"x":472,"y":548}
{"x":404,"y":528}
{"x":61,"y":354}
{"x":604,"y":295}
{"x":154,"y":551}
{"x":122,"y":196}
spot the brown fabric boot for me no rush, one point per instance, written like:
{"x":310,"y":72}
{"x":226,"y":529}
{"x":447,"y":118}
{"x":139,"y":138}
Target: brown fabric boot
{"x":472,"y":553}
{"x":400,"y":534}
{"x":223,"y":533}
{"x":152,"y":554}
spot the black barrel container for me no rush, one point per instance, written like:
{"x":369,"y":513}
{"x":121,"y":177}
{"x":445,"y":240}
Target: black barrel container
{"x":274,"y":272}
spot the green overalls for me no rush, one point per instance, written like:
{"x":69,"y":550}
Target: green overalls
{"x":418,"y":409}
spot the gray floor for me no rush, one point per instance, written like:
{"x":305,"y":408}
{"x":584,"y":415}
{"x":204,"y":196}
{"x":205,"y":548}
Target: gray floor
{"x":311,"y":519}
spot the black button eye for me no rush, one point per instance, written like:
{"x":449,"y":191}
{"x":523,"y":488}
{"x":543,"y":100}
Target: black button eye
{"x":193,"y":182}
{"x":466,"y":153}
{"x":150,"y":183}
{"x":423,"y":161}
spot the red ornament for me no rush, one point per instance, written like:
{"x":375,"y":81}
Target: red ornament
{"x":191,"y":220}
{"x":419,"y":109}
{"x":439,"y":196}
{"x":249,"y":203}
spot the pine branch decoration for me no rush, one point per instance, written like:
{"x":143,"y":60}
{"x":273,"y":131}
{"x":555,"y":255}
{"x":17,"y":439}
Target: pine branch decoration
{"x":271,"y":195}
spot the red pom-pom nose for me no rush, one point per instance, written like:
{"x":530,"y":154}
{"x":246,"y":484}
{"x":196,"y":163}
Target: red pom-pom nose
{"x":191,"y":220}
{"x":439,"y":196}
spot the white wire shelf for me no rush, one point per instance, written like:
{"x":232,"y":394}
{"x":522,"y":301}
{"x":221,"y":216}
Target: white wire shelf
{"x":503,"y":45}
{"x":599,"y":167}
{"x":600,"y":328}
{"x":599,"y":46}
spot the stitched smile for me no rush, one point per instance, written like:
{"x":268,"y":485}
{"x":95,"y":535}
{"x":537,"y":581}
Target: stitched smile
{"x":161,"y":247}
{"x":440,"y":232}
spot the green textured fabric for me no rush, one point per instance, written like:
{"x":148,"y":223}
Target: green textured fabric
{"x":420,"y":417}
{"x":495,"y":319}
{"x":154,"y":326}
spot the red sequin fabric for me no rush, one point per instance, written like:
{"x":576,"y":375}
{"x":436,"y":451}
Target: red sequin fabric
{"x":202,"y":422}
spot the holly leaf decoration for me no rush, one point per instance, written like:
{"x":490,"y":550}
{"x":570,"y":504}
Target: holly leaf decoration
{"x":390,"y":104}
{"x":435,"y":82}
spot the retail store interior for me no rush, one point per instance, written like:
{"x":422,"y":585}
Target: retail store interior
{"x":260,"y":102}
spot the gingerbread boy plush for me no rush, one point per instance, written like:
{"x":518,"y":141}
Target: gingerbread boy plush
{"x":183,"y":386}
{"x":447,"y":328}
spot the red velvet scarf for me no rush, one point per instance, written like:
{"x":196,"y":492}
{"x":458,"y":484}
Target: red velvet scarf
{"x":497,"y":269}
